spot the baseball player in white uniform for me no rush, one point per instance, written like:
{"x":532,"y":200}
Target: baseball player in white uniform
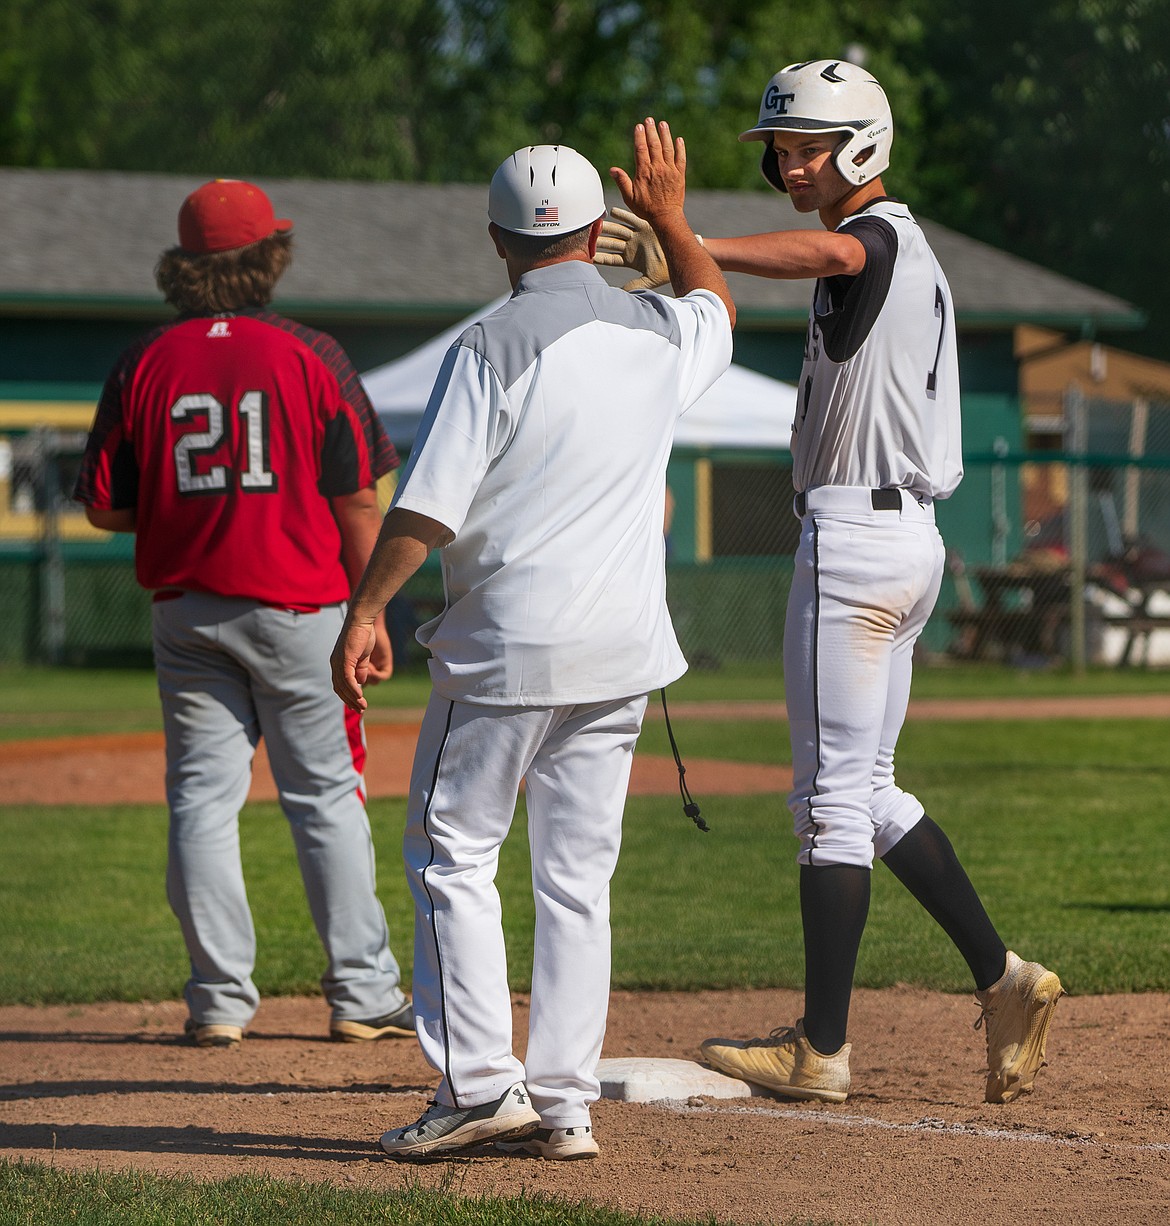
{"x":875,"y":442}
{"x":540,"y":471}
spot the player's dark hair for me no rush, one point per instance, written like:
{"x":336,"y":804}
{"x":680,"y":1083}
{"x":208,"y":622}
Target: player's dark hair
{"x":220,"y":281}
{"x":532,"y":248}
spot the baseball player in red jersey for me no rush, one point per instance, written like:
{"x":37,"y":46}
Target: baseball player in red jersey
{"x":242,"y":451}
{"x":875,"y":443}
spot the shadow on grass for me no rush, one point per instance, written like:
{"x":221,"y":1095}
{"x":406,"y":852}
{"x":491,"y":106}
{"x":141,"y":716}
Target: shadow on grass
{"x":1120,"y":908}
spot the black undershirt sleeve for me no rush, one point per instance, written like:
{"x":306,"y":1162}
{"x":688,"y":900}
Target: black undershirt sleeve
{"x":855,"y":302}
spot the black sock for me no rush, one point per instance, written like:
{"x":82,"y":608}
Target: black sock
{"x":924,"y":861}
{"x":834,"y":905}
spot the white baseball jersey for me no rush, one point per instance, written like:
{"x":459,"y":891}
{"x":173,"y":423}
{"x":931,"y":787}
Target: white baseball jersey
{"x":878,"y":401}
{"x":878,"y":410}
{"x":543,"y":449}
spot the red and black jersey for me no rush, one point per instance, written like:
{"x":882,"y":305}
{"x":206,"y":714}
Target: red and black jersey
{"x":229,"y":434}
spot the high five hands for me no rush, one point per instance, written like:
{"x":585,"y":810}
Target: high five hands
{"x":656,"y":189}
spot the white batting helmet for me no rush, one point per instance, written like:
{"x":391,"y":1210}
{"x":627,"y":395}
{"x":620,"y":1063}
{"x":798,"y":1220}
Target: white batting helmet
{"x":827,"y":96}
{"x":545,"y":189}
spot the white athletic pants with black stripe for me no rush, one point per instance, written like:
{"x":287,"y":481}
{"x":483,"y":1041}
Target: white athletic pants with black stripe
{"x":864,"y":585}
{"x":575,"y":763}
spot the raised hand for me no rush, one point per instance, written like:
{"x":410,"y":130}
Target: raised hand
{"x":658,"y":184}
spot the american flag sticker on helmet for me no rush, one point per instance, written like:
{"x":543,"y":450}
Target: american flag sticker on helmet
{"x":546,"y":215}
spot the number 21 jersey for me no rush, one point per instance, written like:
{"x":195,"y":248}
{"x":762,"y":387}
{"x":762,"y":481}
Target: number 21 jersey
{"x":228,"y":435}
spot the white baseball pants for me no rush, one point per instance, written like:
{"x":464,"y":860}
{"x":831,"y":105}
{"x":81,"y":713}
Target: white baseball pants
{"x":575,"y":762}
{"x":864,"y":585}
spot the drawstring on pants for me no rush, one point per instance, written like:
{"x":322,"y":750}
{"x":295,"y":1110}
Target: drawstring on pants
{"x":690,"y":808}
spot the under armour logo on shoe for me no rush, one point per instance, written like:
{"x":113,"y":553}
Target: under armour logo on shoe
{"x":521,"y":1095}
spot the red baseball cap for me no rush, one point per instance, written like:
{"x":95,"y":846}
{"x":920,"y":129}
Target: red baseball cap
{"x":225,"y":214}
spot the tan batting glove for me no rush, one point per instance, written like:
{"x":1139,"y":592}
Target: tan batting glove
{"x":630,"y":241}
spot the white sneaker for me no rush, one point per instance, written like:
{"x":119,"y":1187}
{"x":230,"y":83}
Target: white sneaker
{"x":441,"y":1128}
{"x":558,"y":1144}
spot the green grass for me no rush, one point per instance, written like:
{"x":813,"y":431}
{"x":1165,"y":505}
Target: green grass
{"x":33,"y":1195}
{"x":1061,"y":825}
{"x":765,"y":682}
{"x":117,"y":938}
{"x":48,"y":702}
{"x":736,"y":740}
{"x":42,"y":702}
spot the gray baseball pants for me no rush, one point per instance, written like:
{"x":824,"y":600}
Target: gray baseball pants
{"x":229,"y":672}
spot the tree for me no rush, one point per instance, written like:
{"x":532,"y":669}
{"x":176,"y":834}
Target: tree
{"x":1049,"y":135}
{"x":336,"y":89}
{"x":1043,"y":129}
{"x":385,"y":89}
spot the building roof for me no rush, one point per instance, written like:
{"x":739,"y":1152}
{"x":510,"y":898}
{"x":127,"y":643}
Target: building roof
{"x":1051,"y":365}
{"x":85,"y":243}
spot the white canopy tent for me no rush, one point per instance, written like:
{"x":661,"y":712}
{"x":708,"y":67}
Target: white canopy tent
{"x":743,"y":409}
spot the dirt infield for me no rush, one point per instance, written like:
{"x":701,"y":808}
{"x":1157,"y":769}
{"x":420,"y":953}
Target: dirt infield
{"x":127,"y":768}
{"x":111,"y":1086}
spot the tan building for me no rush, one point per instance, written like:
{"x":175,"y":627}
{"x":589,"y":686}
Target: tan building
{"x":1056,"y":372}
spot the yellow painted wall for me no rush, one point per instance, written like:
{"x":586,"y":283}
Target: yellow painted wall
{"x":18,"y":417}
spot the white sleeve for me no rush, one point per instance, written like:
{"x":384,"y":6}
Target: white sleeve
{"x":706,"y":348}
{"x":465,"y":426}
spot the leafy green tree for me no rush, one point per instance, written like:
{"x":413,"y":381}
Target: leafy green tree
{"x":585,"y":71}
{"x":385,"y":89}
{"x":335,"y":89}
{"x":1048,"y":134}
{"x":1042,"y":128}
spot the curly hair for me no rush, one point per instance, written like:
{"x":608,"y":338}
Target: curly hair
{"x":222,"y":281}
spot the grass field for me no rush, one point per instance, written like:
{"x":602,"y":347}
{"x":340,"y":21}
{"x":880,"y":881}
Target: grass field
{"x":35,"y":1196}
{"x":1061,"y":824}
{"x":1078,"y":806}
{"x":40,"y":702}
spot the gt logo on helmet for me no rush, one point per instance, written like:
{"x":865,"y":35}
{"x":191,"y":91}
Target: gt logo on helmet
{"x":827,"y":96}
{"x":776,"y":102}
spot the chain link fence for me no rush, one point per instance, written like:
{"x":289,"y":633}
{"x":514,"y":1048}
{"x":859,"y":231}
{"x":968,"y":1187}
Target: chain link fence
{"x":1065,"y":556}
{"x":1058,"y":555}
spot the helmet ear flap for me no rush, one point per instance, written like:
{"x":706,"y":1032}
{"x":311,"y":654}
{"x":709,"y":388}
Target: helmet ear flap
{"x":770,"y":168}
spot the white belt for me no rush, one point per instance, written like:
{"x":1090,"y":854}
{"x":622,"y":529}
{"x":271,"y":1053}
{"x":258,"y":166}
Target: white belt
{"x":859,"y":499}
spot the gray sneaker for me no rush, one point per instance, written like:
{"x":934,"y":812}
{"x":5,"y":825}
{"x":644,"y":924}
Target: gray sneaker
{"x":441,"y":1129}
